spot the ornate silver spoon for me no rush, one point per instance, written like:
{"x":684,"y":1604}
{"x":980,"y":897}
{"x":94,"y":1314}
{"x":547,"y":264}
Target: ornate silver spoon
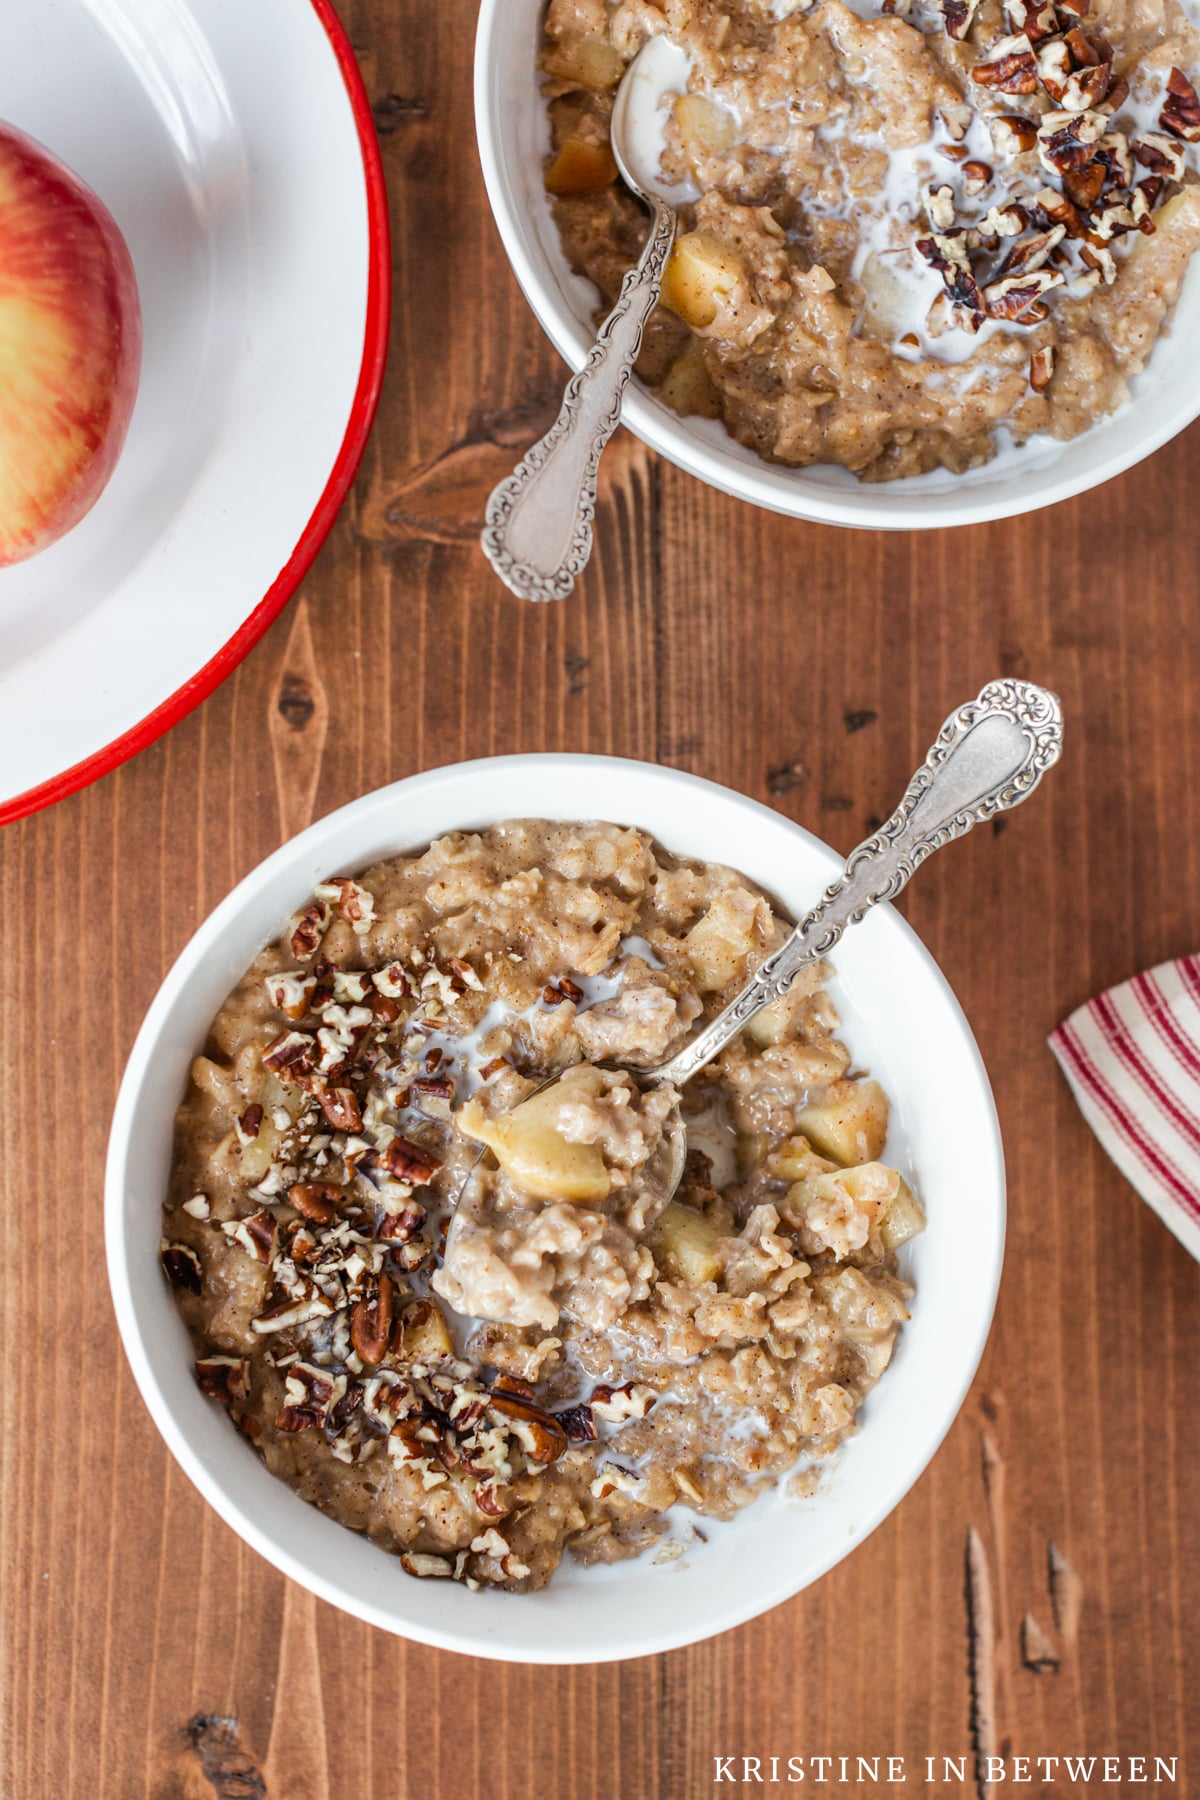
{"x":538,"y":530}
{"x":988,"y":757}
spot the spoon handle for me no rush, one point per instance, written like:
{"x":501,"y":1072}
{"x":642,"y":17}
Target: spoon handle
{"x":988,"y":757}
{"x":538,"y":530}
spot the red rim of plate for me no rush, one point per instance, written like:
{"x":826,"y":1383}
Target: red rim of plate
{"x":362,"y":417}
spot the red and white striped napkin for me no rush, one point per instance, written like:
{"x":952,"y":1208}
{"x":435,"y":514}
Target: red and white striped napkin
{"x":1132,"y":1057}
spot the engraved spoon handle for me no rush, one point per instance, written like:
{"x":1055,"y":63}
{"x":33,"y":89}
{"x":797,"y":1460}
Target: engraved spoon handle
{"x":538,"y":529}
{"x":988,"y":757}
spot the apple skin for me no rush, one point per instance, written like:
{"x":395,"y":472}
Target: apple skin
{"x":70,"y":347}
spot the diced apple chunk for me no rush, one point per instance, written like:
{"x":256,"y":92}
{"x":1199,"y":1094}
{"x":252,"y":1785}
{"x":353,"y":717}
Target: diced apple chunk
{"x":721,"y":941}
{"x":591,"y":61}
{"x":530,"y":1149}
{"x":699,"y":273}
{"x":705,"y":128}
{"x":581,"y":167}
{"x":426,"y":1337}
{"x":687,"y":387}
{"x":688,"y":1245}
{"x":850,"y":1125}
{"x":904,"y":1218}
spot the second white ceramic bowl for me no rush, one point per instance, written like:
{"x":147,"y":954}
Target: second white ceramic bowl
{"x":902,"y":1022}
{"x":513,"y":136}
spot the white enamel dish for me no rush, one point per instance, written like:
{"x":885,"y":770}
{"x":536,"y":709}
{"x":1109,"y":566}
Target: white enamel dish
{"x":513,"y":135}
{"x":234,"y":145}
{"x":902,"y":1022}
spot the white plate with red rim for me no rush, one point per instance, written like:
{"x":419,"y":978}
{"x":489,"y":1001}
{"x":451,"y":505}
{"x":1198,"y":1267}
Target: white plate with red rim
{"x":234,"y":145}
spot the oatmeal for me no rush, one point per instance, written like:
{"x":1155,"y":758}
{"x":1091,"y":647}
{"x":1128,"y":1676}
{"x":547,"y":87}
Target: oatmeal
{"x":914,"y":230}
{"x":460,"y":1310}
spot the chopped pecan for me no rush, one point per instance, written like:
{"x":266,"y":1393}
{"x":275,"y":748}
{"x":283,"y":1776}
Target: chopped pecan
{"x":512,"y":1384}
{"x":493,"y":1067}
{"x":309,"y":930}
{"x":1005,"y":221}
{"x":1086,"y":88}
{"x":385,"y":1009}
{"x":492,"y":1499}
{"x":578,"y":1423}
{"x":371,"y":1321}
{"x":615,"y":1405}
{"x":551,"y":996}
{"x":400,"y":1226}
{"x":197,"y":1207}
{"x":1055,"y":209}
{"x":1111,"y":221}
{"x":1041,"y":368}
{"x":249,"y":1123}
{"x":256,"y":1234}
{"x":1114,"y":152}
{"x":316,"y":1200}
{"x":1103,"y":261}
{"x":1088,"y":52}
{"x":939,"y":206}
{"x":224,"y":1378}
{"x":539,"y":1433}
{"x":432,"y":1059}
{"x":391,"y":982}
{"x":1010,"y":68}
{"x":290,"y":1056}
{"x":307,"y":1303}
{"x":341,"y":1108}
{"x":1012,"y":133}
{"x":1054,"y":68}
{"x":1067,"y":140}
{"x":465,"y":973}
{"x":307,"y":1396}
{"x":570,"y":988}
{"x":1161,"y":155}
{"x":1029,"y":253}
{"x":957,"y":15}
{"x":976,"y":176}
{"x":433,"y":1095}
{"x":355,"y":903}
{"x":1181,"y":110}
{"x":426,"y":1567}
{"x":1084,"y":186}
{"x":290,"y":993}
{"x":407,"y":1161}
{"x":948,"y":255}
{"x":181,"y":1266}
{"x":1012,"y":296}
{"x":1036,"y":19}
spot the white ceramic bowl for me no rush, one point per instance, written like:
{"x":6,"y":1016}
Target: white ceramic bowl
{"x":903,"y":1022}
{"x":511,"y":126}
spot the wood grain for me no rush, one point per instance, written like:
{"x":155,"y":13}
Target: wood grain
{"x":1039,"y":1585}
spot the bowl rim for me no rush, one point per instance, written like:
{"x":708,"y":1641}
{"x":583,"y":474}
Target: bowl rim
{"x":141,"y":1356}
{"x":775,"y":488}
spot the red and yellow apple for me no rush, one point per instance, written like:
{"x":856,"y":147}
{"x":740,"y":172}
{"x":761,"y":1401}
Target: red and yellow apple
{"x":70,"y":347}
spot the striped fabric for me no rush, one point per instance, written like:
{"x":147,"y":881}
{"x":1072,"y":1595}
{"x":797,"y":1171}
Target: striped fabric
{"x":1132,"y":1057}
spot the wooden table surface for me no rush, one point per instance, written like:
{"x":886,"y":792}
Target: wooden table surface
{"x":1037,"y":1590}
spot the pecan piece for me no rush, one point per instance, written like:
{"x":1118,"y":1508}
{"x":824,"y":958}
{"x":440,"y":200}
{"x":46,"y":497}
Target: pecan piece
{"x":316,"y":1200}
{"x":1029,"y":253}
{"x":578,"y":1423}
{"x":1181,"y":110}
{"x":341,"y":1108}
{"x":976,"y":176}
{"x":1053,"y":208}
{"x":1085,"y":89}
{"x":256,"y":1234}
{"x":408,"y":1162}
{"x":307,"y":1396}
{"x":1009,"y":298}
{"x":1012,"y":133}
{"x":426,"y":1567}
{"x":433,"y":1095}
{"x":948,"y":255}
{"x":493,"y":1067}
{"x":1161,"y":155}
{"x":1067,"y":140}
{"x":391,"y":982}
{"x":492,"y":1499}
{"x":1041,"y":368}
{"x":181,"y":1266}
{"x":290,"y":1056}
{"x":1054,"y":68}
{"x":1011,"y":67}
{"x":539,"y":1434}
{"x":957,"y":16}
{"x":309,"y":930}
{"x":354,"y":902}
{"x":1103,"y":261}
{"x":371,"y":1320}
{"x":1037,"y":19}
{"x":616,"y":1405}
{"x":290,"y":993}
{"x":1083,"y":187}
{"x":249,"y":1123}
{"x":224,"y":1378}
